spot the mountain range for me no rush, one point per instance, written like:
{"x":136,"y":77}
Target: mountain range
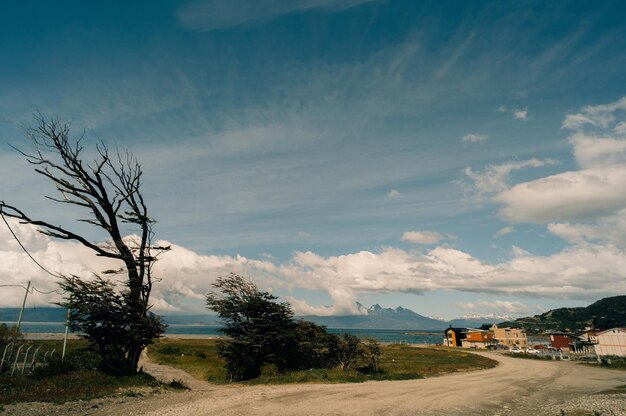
{"x":374,"y":317}
{"x":605,"y":313}
{"x":377,"y":317}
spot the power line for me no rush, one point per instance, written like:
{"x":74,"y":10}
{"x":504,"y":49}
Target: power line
{"x":48,"y":292}
{"x":34,"y":289}
{"x":25,"y":250}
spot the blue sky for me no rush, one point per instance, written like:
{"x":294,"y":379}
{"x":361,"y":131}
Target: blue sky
{"x":450,"y":157}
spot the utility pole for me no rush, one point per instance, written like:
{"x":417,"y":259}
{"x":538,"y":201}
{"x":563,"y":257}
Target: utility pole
{"x":19,"y":319}
{"x":67,"y":330}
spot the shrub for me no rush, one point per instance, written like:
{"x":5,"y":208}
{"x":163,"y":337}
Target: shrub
{"x":77,"y":361}
{"x":169,"y":350}
{"x":178,"y":385}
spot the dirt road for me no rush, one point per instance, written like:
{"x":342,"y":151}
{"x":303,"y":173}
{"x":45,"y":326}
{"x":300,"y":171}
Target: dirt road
{"x":515,"y":387}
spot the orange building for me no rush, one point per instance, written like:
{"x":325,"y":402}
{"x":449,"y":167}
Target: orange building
{"x":478,"y":338}
{"x":453,"y":337}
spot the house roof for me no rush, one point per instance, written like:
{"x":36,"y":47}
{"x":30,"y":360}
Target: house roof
{"x":623,"y":330}
{"x":475,"y":330}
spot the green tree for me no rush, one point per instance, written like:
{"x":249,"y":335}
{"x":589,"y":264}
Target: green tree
{"x":346,"y":351}
{"x":312,"y":346}
{"x":259,"y":329}
{"x":370,"y":353}
{"x":102,"y":314}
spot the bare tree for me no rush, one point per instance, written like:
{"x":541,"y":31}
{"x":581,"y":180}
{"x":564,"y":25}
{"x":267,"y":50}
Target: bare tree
{"x":108,"y":189}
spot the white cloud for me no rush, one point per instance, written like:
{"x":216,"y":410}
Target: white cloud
{"x":303,"y":235}
{"x":495,"y":178}
{"x":422,"y":237}
{"x":218,"y":14}
{"x":474,"y":138}
{"x":504,"y":231}
{"x":565,"y":196}
{"x":592,"y":151}
{"x":610,"y":229}
{"x":584,"y":271}
{"x":518,"y":251}
{"x":620,"y":128}
{"x":518,"y":113}
{"x":185,"y":275}
{"x":394,"y":193}
{"x":521,"y":113}
{"x":595,"y":115}
{"x":598,"y":189}
{"x":496,"y":307}
{"x":346,"y":305}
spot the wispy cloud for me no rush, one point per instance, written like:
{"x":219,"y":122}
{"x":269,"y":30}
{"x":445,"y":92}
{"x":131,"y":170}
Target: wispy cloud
{"x":495,"y":178}
{"x":521,"y":113}
{"x":496,"y":306}
{"x":601,"y":115}
{"x":205,"y":15}
{"x":504,"y":231}
{"x":394,"y":193}
{"x":423,"y":237}
{"x":474,"y":138}
{"x":519,"y":252}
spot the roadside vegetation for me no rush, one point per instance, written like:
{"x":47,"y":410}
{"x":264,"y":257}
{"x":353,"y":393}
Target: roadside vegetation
{"x":200,"y":358}
{"x":261,"y":334}
{"x":76,"y":377}
{"x":263,"y":343}
{"x":610,"y":362}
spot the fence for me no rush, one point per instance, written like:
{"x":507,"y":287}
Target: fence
{"x":22,"y":358}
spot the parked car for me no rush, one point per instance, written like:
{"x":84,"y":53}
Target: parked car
{"x":515,"y":350}
{"x":532,"y":351}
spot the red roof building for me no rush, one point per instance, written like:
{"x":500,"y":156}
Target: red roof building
{"x":560,"y":341}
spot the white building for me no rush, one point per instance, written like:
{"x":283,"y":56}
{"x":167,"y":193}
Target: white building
{"x":611,"y":342}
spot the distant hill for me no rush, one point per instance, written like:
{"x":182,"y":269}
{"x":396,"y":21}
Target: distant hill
{"x":603,"y":314}
{"x":476,"y":321}
{"x":45,"y":314}
{"x":374,"y":317}
{"x":379,"y":317}
{"x":55,"y":314}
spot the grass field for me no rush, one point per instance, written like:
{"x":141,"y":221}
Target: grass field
{"x":399,"y":362}
{"x":73,"y":386}
{"x":84,"y":384}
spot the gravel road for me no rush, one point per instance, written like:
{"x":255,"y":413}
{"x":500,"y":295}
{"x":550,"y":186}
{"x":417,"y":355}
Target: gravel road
{"x":515,"y":387}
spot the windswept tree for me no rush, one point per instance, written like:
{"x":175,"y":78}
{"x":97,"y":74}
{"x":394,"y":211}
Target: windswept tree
{"x":108,"y":189}
{"x":260,"y":331}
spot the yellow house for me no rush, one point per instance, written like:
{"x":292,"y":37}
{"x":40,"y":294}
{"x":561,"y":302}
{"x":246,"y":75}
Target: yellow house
{"x":510,"y":337}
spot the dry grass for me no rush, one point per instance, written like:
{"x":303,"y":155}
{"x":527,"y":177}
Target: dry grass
{"x":399,"y":362}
